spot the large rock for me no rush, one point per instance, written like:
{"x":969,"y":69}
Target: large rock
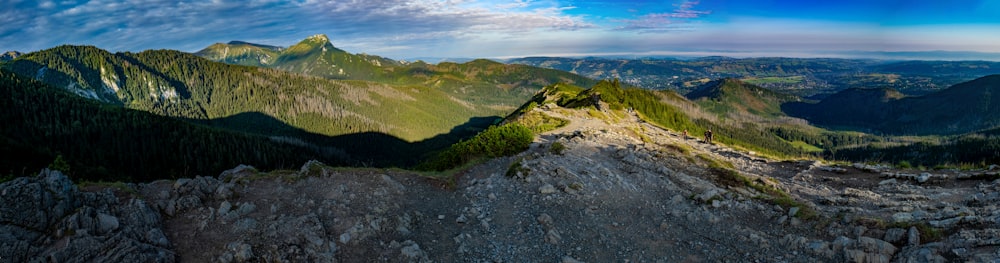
{"x":866,"y":249}
{"x":47,"y":219}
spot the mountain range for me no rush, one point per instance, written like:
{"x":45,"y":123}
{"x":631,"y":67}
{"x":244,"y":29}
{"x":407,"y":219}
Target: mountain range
{"x":374,"y":119}
{"x":361,"y":109}
{"x":804,"y":77}
{"x":962,"y":108}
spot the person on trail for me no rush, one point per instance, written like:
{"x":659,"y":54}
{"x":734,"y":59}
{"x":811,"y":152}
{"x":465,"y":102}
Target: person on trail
{"x":685,"y":134}
{"x":708,"y":136}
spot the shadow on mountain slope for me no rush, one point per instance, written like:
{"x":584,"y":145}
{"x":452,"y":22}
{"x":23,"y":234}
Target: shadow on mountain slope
{"x":370,"y":149}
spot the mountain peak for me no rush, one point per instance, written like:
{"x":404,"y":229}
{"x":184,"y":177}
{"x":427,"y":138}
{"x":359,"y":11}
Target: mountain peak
{"x":318,"y":38}
{"x":9,"y":55}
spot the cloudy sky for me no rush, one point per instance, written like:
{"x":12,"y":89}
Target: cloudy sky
{"x":487,"y":28}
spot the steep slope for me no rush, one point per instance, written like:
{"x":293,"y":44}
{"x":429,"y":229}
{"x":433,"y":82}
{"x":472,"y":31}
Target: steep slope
{"x":851,"y":108}
{"x":317,"y":56}
{"x":962,"y":108}
{"x":320,"y":111}
{"x":732,"y":96}
{"x":104,"y":143}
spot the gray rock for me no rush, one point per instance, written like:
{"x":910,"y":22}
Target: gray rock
{"x":913,"y":236}
{"x":902,"y":217}
{"x":311,"y":168}
{"x":239,"y":172}
{"x":345,"y":237}
{"x":47,"y":219}
{"x":241,"y":252}
{"x":547,"y":189}
{"x":792,"y":211}
{"x":889,"y":181}
{"x":246,"y":208}
{"x":894,"y":235}
{"x":410,"y":252}
{"x":708,"y":195}
{"x":545,"y":220}
{"x":224,"y":208}
{"x":923,"y":177}
{"x":866,"y":249}
{"x":930,"y":253}
{"x":553,"y":237}
{"x":106,"y":223}
{"x":569,"y":259}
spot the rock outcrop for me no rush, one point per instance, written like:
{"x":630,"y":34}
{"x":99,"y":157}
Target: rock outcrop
{"x":46,"y":218}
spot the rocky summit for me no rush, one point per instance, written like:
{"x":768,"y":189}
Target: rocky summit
{"x":607,"y":187}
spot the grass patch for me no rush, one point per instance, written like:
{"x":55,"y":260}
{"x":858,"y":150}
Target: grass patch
{"x":715,"y":163}
{"x":538,"y":122}
{"x":680,"y":148}
{"x":117,"y":185}
{"x":516,"y":167}
{"x":597,"y":114}
{"x":809,"y":148}
{"x":927,"y":232}
{"x":557,"y":148}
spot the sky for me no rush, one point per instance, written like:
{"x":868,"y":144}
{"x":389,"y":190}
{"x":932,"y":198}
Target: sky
{"x":404,"y":29}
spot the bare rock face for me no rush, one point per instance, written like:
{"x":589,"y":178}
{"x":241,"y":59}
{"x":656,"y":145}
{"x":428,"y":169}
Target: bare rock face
{"x":47,"y":218}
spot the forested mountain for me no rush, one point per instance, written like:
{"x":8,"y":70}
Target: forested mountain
{"x":802,"y":77}
{"x":355,"y":115}
{"x":735,"y":96}
{"x":102,"y":142}
{"x":314,"y":56}
{"x":479,"y":82}
{"x":962,"y":108}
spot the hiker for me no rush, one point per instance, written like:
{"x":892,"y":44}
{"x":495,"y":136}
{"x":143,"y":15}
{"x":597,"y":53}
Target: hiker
{"x":708,"y":136}
{"x":685,"y":134}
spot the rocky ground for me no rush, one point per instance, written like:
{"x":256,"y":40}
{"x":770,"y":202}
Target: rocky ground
{"x":618,"y":190}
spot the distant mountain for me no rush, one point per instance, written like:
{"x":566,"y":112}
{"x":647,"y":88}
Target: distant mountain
{"x":802,"y":77}
{"x":436,"y":60}
{"x":314,"y":55}
{"x":241,"y":53}
{"x":9,"y":55}
{"x":480,"y":81}
{"x":962,"y":108}
{"x":735,"y":96}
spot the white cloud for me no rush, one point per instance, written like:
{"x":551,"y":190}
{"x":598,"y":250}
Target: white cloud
{"x":137,"y":25}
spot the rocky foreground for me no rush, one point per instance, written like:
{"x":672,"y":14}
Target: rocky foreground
{"x":618,"y":190}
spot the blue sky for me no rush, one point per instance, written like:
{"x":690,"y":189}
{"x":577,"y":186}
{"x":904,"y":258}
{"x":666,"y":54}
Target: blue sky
{"x":499,"y":29}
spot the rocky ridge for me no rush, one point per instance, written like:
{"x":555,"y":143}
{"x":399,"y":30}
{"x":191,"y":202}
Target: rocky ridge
{"x":614,"y":189}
